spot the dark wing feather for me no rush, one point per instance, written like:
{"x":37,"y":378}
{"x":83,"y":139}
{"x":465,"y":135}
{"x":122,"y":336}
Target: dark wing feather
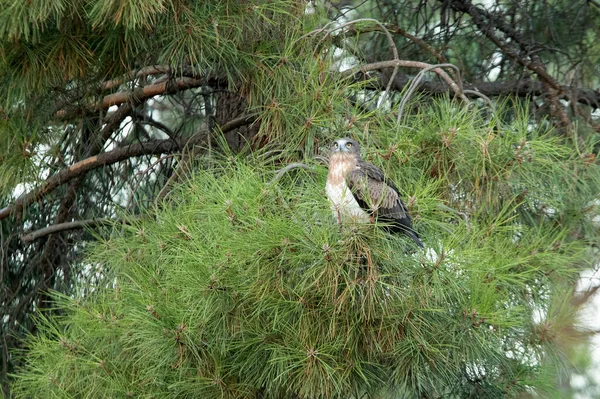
{"x":380,"y":197}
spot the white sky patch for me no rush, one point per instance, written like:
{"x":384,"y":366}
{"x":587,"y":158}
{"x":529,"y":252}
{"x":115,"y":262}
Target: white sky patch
{"x":589,"y":319}
{"x":310,"y":8}
{"x":495,"y":71}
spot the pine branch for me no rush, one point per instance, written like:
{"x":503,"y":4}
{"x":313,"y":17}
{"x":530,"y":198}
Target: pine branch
{"x":56,"y":228}
{"x":142,"y":72}
{"x":486,"y":22}
{"x":80,"y":168}
{"x":98,"y":161}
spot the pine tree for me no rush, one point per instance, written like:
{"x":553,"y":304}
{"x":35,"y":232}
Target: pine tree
{"x":248,"y":288}
{"x":187,"y":139}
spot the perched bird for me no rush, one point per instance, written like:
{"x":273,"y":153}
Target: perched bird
{"x":360,"y":192}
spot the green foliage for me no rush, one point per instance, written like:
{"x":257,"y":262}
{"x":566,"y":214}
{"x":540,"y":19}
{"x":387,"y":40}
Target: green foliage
{"x":47,"y":44}
{"x":248,"y":288}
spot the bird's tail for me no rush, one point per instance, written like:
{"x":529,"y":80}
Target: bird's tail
{"x":415,"y":238}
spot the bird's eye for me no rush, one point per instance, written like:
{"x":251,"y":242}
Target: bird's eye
{"x":348,"y":145}
{"x":335,"y":145}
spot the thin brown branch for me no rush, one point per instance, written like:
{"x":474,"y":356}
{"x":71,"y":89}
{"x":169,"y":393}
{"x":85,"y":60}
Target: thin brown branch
{"x":183,"y":168}
{"x":143,"y":93}
{"x":142,"y":175}
{"x":56,"y":228}
{"x":142,"y":72}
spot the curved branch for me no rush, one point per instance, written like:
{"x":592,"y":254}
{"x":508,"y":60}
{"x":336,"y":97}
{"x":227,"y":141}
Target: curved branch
{"x":289,"y":167}
{"x":95,"y":162}
{"x":411,"y":64}
{"x":415,"y":82}
{"x":108,"y":158}
{"x":55,"y":228}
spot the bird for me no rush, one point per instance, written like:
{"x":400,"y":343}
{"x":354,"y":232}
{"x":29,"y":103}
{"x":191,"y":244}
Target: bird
{"x":360,"y":192}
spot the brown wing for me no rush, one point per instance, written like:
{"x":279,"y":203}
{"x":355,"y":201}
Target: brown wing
{"x":379,"y":196}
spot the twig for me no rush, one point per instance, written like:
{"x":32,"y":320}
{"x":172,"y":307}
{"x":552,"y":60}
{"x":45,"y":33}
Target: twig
{"x":289,"y":167}
{"x":148,"y":120}
{"x":415,"y":82}
{"x":482,"y":96}
{"x":142,"y":173}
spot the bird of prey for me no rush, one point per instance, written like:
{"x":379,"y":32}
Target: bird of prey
{"x":360,"y":192}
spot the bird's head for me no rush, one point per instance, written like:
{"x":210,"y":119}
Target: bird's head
{"x":345,"y":146}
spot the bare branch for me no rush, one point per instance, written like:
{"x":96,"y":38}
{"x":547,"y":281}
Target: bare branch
{"x":520,"y":88}
{"x":142,"y":173}
{"x":107,"y":158}
{"x":56,"y":228}
{"x":289,"y":167}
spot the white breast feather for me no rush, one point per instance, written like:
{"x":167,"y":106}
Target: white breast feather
{"x":343,"y":203}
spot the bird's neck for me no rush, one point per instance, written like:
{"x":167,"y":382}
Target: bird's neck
{"x":339,"y":166}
